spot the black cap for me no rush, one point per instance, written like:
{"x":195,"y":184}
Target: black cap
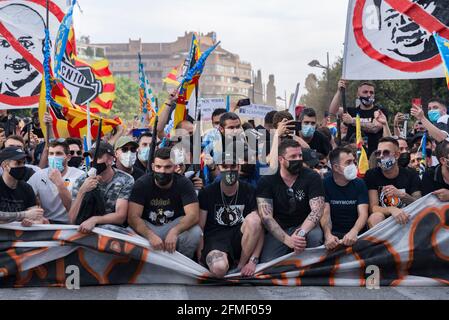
{"x":12,"y":153}
{"x":310,"y":157}
{"x":105,"y":148}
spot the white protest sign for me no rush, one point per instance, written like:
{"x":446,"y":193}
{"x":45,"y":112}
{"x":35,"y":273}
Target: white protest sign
{"x":255,"y":111}
{"x":207,"y":107}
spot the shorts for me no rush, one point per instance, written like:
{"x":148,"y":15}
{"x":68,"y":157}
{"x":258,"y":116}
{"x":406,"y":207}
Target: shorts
{"x":228,"y":240}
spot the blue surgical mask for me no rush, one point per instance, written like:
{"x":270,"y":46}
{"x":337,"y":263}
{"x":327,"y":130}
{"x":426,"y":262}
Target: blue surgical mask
{"x":56,"y":163}
{"x":144,"y":154}
{"x":308,"y":130}
{"x":434,"y":115}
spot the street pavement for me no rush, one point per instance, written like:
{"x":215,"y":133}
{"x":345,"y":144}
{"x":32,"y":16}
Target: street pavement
{"x":183,"y":292}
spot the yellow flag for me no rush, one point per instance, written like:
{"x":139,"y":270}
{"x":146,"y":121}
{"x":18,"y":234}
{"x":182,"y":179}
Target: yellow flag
{"x":362,"y":161}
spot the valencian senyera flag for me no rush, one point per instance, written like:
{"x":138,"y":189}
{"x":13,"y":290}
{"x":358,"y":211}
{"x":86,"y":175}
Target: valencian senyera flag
{"x":188,"y":84}
{"x":147,"y":101}
{"x":87,"y":82}
{"x":414,"y":254}
{"x":362,"y":157}
{"x":68,"y":119}
{"x":443,"y":47}
{"x":172,"y":76}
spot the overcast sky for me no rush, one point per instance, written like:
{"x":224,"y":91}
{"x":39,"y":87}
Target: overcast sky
{"x":278,"y":36}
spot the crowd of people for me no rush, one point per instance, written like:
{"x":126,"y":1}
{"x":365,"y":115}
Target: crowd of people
{"x":250,"y":195}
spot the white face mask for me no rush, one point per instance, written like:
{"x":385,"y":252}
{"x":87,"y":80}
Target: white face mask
{"x":128,"y":159}
{"x":350,"y":172}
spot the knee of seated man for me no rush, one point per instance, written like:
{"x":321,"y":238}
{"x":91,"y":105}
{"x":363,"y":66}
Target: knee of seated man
{"x":252,"y":223}
{"x":217,"y":262}
{"x":315,"y":237}
{"x":192,"y":235}
{"x":375,"y":218}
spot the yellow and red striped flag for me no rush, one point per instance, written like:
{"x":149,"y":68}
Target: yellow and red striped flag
{"x":362,"y":161}
{"x":172,"y":77}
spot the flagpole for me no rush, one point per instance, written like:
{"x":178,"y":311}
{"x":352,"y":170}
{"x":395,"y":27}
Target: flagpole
{"x":47,"y":21}
{"x":89,"y":128}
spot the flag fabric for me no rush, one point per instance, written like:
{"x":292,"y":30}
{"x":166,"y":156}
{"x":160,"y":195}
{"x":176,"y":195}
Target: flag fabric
{"x":375,"y":49}
{"x":148,"y":106}
{"x":172,"y":77}
{"x":87,"y":82}
{"x":188,"y":84}
{"x":423,"y":162}
{"x":362,"y":157}
{"x":407,"y":255}
{"x":443,"y":47}
{"x":62,"y":38}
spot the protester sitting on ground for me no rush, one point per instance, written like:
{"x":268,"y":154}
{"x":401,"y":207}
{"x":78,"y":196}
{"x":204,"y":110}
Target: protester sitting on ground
{"x":233,"y":232}
{"x":143,"y":154}
{"x":346,"y":202}
{"x":164,"y":208}
{"x":18,"y":142}
{"x":126,"y":155}
{"x":436,"y":179}
{"x":76,"y":153}
{"x":290,"y":203}
{"x":53,"y":185}
{"x":17,"y":196}
{"x":390,"y":187}
{"x":114,"y":187}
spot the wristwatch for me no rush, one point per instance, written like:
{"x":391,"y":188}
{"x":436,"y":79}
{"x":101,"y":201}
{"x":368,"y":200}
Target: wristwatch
{"x":301,"y":233}
{"x":254,"y":260}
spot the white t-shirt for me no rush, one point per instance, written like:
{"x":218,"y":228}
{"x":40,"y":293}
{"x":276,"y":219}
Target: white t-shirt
{"x":48,"y":193}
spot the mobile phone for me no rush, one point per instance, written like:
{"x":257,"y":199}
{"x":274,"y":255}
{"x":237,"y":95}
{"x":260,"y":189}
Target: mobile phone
{"x":243,"y":102}
{"x":416,"y":101}
{"x":297,"y":126}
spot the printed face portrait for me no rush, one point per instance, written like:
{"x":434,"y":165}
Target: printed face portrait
{"x":17,"y":76}
{"x":408,"y":39}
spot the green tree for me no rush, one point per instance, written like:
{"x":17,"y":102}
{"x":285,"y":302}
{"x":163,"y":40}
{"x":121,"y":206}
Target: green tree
{"x":127,"y":101}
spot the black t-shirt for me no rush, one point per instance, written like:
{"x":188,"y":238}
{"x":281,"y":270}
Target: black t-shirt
{"x":218,"y":217}
{"x":138,"y":165}
{"x":320,"y":143}
{"x":163,"y":205}
{"x":406,"y":180}
{"x":18,"y":199}
{"x":289,"y":211}
{"x":366,"y":116}
{"x":432,"y":180}
{"x":343,"y":203}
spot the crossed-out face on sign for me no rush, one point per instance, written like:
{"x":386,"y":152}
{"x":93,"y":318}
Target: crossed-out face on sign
{"x":17,"y":76}
{"x":408,"y":41}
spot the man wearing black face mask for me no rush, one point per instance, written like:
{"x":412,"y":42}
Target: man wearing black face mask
{"x":16,"y":196}
{"x":164,"y":209}
{"x":76,"y":153}
{"x":114,"y":186}
{"x":404,"y":155}
{"x":290,"y":203}
{"x":365,"y":107}
{"x":233,"y":232}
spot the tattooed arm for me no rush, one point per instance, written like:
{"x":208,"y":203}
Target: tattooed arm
{"x":265,"y":209}
{"x":371,"y":127}
{"x":33,"y":213}
{"x":316,"y":212}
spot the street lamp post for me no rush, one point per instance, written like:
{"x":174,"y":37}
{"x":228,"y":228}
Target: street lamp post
{"x":316,"y":64}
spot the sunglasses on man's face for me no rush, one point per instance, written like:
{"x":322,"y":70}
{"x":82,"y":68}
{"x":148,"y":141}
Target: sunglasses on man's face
{"x":78,"y":153}
{"x":384,"y":153}
{"x":126,"y":149}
